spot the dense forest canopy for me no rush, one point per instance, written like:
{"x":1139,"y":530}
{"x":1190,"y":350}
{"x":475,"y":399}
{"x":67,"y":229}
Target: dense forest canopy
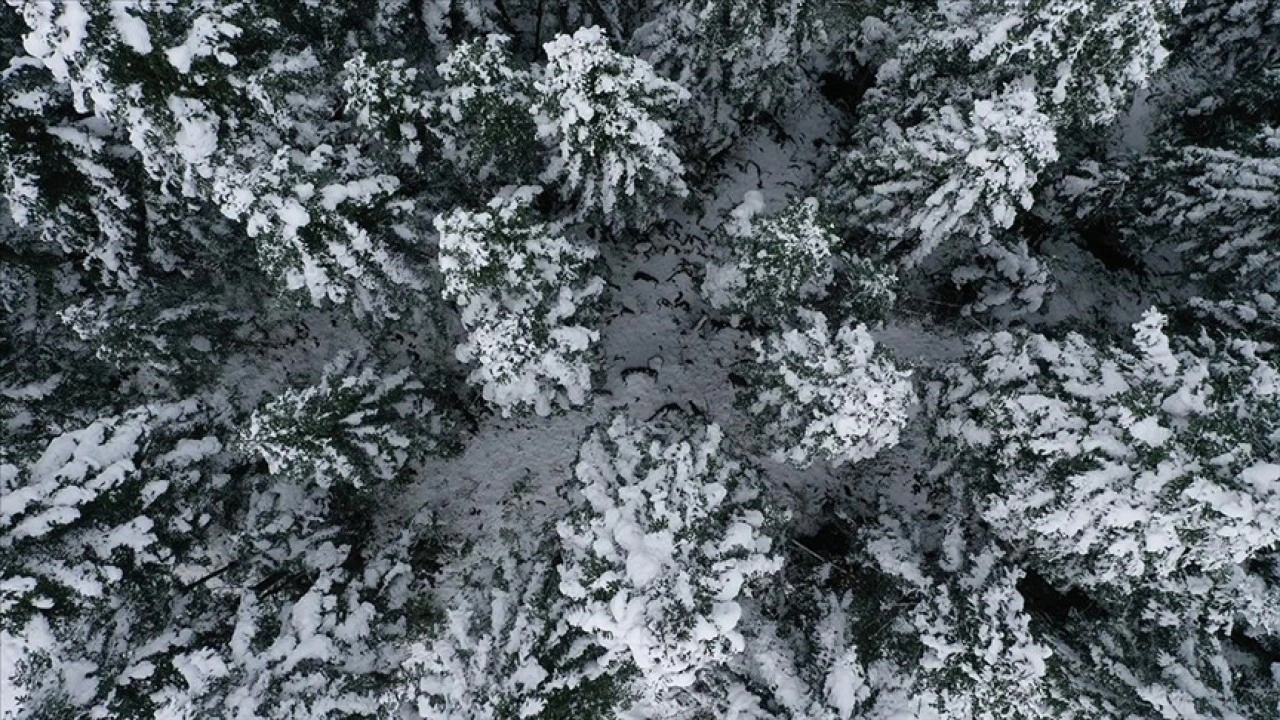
{"x":687,"y":359}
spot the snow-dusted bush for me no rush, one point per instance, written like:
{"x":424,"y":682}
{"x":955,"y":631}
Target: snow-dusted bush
{"x":354,"y":426}
{"x":670,"y":538}
{"x":818,"y":396}
{"x":1122,"y":470}
{"x":523,"y":290}
{"x":778,"y":262}
{"x":965,"y":170}
{"x":605,"y":115}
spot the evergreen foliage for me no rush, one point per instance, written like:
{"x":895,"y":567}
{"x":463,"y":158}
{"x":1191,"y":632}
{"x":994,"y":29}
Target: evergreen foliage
{"x":604,"y":113}
{"x":823,"y":395}
{"x":671,"y":538}
{"x":519,"y":286}
{"x":778,"y":262}
{"x":1064,"y":432}
{"x":603,"y":359}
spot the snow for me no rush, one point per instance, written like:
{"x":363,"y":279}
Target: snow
{"x":74,"y":23}
{"x":293,"y":215}
{"x":201,"y":43}
{"x":200,"y":668}
{"x":79,"y":681}
{"x":828,"y":397}
{"x":197,"y":136}
{"x":739,"y":223}
{"x":1150,"y":432}
{"x":1264,"y":477}
{"x":13,"y":650}
{"x":997,"y":35}
{"x":133,"y":31}
{"x":596,"y":108}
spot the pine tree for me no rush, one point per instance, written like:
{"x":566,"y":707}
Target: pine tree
{"x":522,"y":288}
{"x":259,"y":262}
{"x":202,"y":117}
{"x":670,"y":537}
{"x":818,"y":395}
{"x":1061,"y":431}
{"x":483,"y":117}
{"x":778,"y":262}
{"x":606,"y":116}
{"x":964,"y":171}
{"x":353,"y":427}
{"x":136,"y":576}
{"x":739,"y":59}
{"x":500,"y":647}
{"x":1216,"y":208}
{"x":977,"y":102}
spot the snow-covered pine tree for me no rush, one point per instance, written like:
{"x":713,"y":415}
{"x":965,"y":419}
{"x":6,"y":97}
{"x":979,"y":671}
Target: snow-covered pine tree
{"x":212,"y":116}
{"x":1003,"y":280}
{"x":353,"y":427}
{"x":890,"y":630}
{"x":1218,"y":210}
{"x":156,"y":573}
{"x":1211,"y":208}
{"x":964,"y":643}
{"x":627,"y":602}
{"x":777,"y":262}
{"x":670,"y":538}
{"x":968,"y":115}
{"x":229,"y":382}
{"x":89,"y":529}
{"x":606,"y":116}
{"x":498,"y":646}
{"x":482,"y":116}
{"x":964,"y":171}
{"x":1057,"y":434}
{"x":1108,"y":669}
{"x":523,"y":290}
{"x":817,"y":395}
{"x":152,"y":567}
{"x":738,"y":58}
{"x":1221,"y":82}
